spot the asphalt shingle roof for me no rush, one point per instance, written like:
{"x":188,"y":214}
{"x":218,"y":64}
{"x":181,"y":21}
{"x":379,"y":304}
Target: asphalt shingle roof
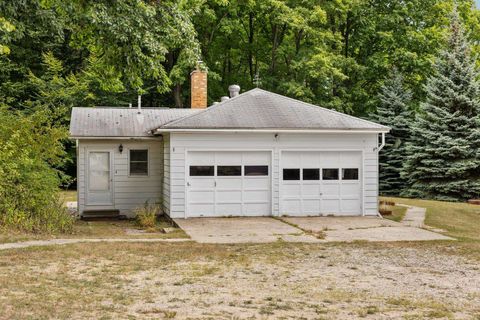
{"x":260,"y":109}
{"x":121,"y":122}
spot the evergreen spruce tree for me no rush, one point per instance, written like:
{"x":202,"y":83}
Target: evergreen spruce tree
{"x":443,"y":159}
{"x":394,"y":111}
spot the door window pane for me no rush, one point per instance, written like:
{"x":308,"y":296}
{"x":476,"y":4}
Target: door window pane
{"x":229,"y":171}
{"x":330,"y":174}
{"x":350,"y":174}
{"x":256,"y":170}
{"x":202,"y":171}
{"x":291,"y":174}
{"x":139,"y":162}
{"x":311,"y":174}
{"x":99,"y":171}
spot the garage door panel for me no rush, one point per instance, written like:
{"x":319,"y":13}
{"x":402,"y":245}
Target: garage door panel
{"x":202,"y":158}
{"x":257,"y":183}
{"x":292,"y":206}
{"x":292,"y":190}
{"x":331,"y":189}
{"x":311,"y":190}
{"x":228,"y":209}
{"x":330,"y":206}
{"x":329,"y":160}
{"x":311,"y":206}
{"x":310,"y":160}
{"x":350,"y":159}
{"x":256,"y":209}
{"x":350,"y":206}
{"x":350,"y":189}
{"x":202,"y":196}
{"x":228,"y":158}
{"x":229,"y":183}
{"x":202,"y":183}
{"x":199,"y":210}
{"x":292,"y":161}
{"x":317,"y":195}
{"x":229,"y":194}
{"x":255,"y":195}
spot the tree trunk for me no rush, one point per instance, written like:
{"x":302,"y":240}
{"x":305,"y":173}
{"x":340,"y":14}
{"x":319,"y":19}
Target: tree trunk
{"x":177,"y":95}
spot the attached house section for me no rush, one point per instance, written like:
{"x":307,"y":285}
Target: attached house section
{"x":119,"y":174}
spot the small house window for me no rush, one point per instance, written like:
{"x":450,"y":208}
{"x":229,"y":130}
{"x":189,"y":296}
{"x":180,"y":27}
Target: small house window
{"x":139,"y":162}
{"x":311,"y":174}
{"x":291,"y":174}
{"x":330,"y":174}
{"x":223,"y":171}
{"x":350,"y":174}
{"x":202,"y":171}
{"x":256,"y":170}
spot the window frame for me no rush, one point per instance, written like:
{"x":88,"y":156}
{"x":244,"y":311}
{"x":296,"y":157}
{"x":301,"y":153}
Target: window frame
{"x":129,"y":162}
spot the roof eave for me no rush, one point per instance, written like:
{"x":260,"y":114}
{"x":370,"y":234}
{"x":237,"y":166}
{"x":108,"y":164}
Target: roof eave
{"x":271,"y":130}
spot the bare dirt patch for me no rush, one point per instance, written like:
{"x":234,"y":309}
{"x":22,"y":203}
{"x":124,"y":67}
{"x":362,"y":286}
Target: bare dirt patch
{"x":188,"y":280}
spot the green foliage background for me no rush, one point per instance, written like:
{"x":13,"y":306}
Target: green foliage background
{"x":57,"y":54}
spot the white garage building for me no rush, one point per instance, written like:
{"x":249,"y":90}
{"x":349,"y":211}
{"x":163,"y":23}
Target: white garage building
{"x":255,"y":154}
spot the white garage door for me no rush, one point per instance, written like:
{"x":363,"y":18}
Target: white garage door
{"x":321,"y":183}
{"x":228,"y":184}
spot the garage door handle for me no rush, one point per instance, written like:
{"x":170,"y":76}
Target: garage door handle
{"x":321,"y":194}
{"x":188,"y":184}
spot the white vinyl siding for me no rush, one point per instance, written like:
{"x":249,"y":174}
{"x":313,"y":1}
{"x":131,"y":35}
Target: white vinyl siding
{"x":166,"y":174}
{"x":129,"y":192}
{"x":181,"y":143}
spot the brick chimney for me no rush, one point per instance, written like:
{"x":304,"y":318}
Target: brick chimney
{"x":198,"y":84}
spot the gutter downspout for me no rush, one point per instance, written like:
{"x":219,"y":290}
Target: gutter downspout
{"x":380,"y":147}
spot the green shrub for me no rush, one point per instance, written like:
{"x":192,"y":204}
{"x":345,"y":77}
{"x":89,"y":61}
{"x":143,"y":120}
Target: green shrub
{"x":147,"y":215}
{"x":30,"y":150}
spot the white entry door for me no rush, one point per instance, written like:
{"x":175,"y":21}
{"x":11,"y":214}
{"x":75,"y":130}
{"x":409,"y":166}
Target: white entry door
{"x":228,"y":183}
{"x":99,"y":178}
{"x":321,"y":183}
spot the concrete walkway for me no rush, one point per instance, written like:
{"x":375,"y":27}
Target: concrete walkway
{"x":414,"y":217}
{"x":42,"y":243}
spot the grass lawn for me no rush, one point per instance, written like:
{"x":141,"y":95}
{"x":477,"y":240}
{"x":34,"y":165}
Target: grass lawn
{"x":68,"y":195}
{"x":396,"y":280}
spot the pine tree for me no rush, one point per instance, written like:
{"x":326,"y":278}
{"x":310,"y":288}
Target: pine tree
{"x":394,"y":111}
{"x":443,"y":159}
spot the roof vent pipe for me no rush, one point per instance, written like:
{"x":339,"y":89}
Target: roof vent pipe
{"x":224,"y":98}
{"x":129,"y":105}
{"x":139,"y":103}
{"x":234,"y":90}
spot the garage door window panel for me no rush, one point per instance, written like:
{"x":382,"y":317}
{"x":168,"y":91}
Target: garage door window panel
{"x":350,"y":174}
{"x":202,"y":171}
{"x":330,"y":174}
{"x":311,"y":174}
{"x":291,"y":174}
{"x":256,"y":170}
{"x":229,"y":171}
